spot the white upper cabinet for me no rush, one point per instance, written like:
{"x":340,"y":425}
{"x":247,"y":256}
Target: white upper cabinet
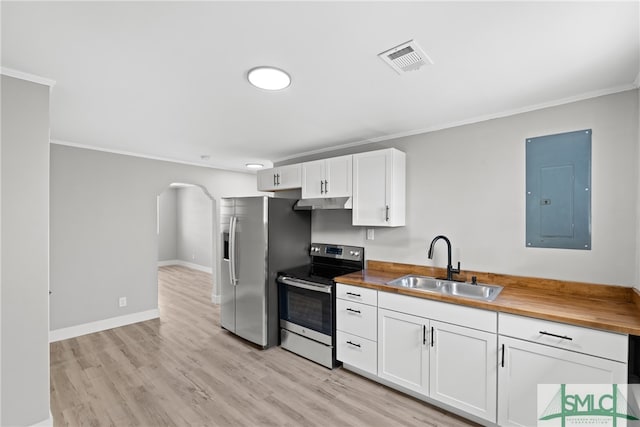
{"x":379,"y":188}
{"x":327,"y":178}
{"x":280,"y":178}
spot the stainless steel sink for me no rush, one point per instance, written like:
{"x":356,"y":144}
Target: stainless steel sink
{"x":478,"y":291}
{"x":417,"y":282}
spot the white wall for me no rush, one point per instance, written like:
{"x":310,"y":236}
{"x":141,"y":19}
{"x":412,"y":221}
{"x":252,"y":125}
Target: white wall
{"x":167,"y":236}
{"x":194,"y":226}
{"x":25,"y":253}
{"x":468,"y":183}
{"x":103,"y":229}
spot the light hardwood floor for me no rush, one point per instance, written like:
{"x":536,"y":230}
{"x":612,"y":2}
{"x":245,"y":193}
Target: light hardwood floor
{"x":184,"y":370}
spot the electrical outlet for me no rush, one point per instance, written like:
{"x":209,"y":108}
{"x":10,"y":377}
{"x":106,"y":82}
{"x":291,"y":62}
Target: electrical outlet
{"x":370,"y":234}
{"x":122,"y":302}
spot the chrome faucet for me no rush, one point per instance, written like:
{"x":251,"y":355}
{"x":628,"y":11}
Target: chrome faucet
{"x":450,"y":269}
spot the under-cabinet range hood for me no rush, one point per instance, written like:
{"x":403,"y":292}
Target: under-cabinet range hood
{"x":325,"y":203}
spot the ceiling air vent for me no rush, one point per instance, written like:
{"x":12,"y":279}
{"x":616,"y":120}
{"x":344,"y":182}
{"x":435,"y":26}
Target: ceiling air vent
{"x":406,"y":57}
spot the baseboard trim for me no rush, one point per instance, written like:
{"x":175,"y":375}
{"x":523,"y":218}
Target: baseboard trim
{"x":185,"y":264}
{"x":47,"y":422}
{"x":102,"y":325}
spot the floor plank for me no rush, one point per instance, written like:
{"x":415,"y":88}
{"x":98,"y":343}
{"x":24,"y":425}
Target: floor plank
{"x":184,"y":370}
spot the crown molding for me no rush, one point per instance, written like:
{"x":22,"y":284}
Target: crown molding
{"x":146,"y":156}
{"x":26,"y":76}
{"x":478,"y":119}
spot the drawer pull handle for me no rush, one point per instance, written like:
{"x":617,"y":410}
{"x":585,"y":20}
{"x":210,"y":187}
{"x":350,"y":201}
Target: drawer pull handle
{"x":502,"y":362}
{"x":564,"y":337}
{"x":353,"y":311}
{"x":353,"y":344}
{"x":354,"y":295}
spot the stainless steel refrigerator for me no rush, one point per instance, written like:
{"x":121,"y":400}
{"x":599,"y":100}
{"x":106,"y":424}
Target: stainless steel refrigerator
{"x":260,"y":236}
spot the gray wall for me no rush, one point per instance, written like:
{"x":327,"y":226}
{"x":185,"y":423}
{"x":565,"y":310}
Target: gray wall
{"x":468,"y":183}
{"x":638,"y":205}
{"x":167,"y":236}
{"x":103,"y":229}
{"x":194,"y":226}
{"x":25,"y":252}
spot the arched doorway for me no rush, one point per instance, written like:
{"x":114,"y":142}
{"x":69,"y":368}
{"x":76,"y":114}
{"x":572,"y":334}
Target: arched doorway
{"x":186,"y":227}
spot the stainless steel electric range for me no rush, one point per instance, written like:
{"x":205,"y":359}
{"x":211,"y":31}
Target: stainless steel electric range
{"x":308,"y":301}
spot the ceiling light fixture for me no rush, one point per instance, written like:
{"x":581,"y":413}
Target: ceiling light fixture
{"x":269,"y":78}
{"x":254,"y":165}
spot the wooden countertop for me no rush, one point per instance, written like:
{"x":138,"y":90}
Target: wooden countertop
{"x":612,"y":308}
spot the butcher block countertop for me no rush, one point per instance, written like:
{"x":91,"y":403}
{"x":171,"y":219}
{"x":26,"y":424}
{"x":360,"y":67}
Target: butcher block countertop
{"x":611,"y":308}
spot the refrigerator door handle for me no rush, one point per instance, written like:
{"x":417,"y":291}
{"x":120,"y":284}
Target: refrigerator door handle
{"x":232,"y":251}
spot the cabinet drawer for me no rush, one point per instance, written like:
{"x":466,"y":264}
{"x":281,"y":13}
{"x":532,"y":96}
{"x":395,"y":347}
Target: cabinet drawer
{"x":470,"y":317}
{"x":357,"y":352}
{"x":357,"y":294}
{"x":357,"y":319}
{"x":609,"y":345}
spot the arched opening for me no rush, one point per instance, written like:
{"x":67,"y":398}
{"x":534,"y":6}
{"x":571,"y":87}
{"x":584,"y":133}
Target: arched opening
{"x":186,"y":229}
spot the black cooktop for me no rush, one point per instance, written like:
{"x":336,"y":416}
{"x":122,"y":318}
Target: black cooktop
{"x":328,"y":261}
{"x":318,"y":273}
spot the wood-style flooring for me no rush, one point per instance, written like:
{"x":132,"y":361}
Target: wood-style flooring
{"x":184,"y":370}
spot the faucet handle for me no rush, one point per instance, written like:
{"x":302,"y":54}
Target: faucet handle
{"x":456,"y":270}
{"x":474,"y":280}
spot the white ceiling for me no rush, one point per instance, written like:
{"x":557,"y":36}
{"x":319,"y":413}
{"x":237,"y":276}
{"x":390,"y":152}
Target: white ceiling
{"x":168,"y":79}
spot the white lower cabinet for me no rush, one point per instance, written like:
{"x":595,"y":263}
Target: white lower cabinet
{"x":463,"y":368}
{"x":403,"y":353}
{"x":482,"y":363}
{"x":452,"y":364}
{"x":357,"y":327}
{"x":524,"y":363}
{"x":356,"y":351}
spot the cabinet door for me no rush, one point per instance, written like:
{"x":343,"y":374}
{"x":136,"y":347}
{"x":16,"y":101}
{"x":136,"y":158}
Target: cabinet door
{"x":266,"y":180}
{"x":370,"y":204}
{"x":527,"y":364}
{"x":313,"y":179}
{"x":403,"y":352}
{"x":338,"y":171}
{"x":356,"y":351}
{"x":379,"y":188}
{"x":463,"y":368}
{"x":289,"y":177}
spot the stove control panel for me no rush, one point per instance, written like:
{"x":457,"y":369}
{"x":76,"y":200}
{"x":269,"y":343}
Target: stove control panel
{"x":353,"y":253}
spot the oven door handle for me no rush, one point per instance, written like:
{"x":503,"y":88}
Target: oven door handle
{"x":298,"y":283}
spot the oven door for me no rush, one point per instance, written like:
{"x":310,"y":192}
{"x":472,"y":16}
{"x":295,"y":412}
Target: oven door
{"x":306,"y":308}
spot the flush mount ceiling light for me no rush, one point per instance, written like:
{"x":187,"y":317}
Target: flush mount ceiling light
{"x":269,"y":78}
{"x":254,"y":165}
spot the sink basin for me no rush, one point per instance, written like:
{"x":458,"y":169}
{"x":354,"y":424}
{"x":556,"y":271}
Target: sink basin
{"x":466,"y":290}
{"x":417,"y":282}
{"x":479,"y":291}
